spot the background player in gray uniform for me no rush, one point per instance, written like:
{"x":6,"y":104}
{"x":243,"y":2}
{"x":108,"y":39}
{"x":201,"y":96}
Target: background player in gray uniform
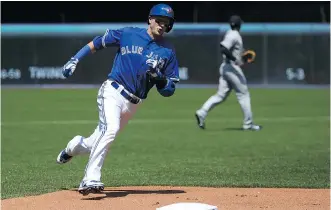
{"x":143,"y":60}
{"x":231,"y":77}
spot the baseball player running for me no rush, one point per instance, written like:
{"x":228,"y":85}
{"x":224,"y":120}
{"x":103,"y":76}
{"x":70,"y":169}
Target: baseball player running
{"x":143,"y":59}
{"x":231,"y":76}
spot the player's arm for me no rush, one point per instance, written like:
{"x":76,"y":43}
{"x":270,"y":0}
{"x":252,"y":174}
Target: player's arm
{"x":227,"y":53}
{"x":110,"y":38}
{"x":167,"y":86}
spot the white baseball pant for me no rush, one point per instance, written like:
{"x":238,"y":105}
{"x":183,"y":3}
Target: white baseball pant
{"x":231,"y":77}
{"x":114,"y":113}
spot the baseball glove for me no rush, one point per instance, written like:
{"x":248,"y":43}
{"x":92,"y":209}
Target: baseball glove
{"x":249,"y":56}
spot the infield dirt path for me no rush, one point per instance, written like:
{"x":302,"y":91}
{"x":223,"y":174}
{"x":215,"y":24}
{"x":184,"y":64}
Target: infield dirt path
{"x":150,"y":198}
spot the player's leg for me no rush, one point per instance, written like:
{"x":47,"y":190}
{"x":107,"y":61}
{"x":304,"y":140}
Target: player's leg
{"x":238,"y":81}
{"x":219,"y":97}
{"x":80,"y":145}
{"x":127,"y":113}
{"x":114,"y":115}
{"x":110,"y":106}
{"x":223,"y":91}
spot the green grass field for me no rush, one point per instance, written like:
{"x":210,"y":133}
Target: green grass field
{"x":162,"y":145}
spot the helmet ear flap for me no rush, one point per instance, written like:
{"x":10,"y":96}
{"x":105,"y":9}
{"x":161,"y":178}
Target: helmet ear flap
{"x":148,"y":19}
{"x":170,"y":26}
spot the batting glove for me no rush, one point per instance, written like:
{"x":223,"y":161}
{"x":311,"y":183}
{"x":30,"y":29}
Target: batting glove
{"x":156,"y":75}
{"x":69,"y":67}
{"x":152,"y":71}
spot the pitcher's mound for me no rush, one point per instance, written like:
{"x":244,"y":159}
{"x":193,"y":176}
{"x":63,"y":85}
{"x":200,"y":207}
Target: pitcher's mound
{"x":151,"y":198}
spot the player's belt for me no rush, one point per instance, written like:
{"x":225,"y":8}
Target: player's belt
{"x":126,"y":94}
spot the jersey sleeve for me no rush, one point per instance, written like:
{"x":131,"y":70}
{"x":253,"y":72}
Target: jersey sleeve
{"x":111,"y":37}
{"x":171,"y":68}
{"x":228,"y":40}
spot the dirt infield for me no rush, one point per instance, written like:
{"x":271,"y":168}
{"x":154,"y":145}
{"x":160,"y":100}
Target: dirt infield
{"x":150,"y":198}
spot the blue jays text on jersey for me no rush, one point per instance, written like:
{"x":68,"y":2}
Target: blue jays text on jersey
{"x":137,"y":53}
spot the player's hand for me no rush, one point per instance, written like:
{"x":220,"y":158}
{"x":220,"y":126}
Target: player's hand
{"x":69,"y":67}
{"x":157,"y":75}
{"x":153,"y":71}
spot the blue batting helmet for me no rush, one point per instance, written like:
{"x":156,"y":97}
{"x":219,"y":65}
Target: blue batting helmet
{"x":163,"y":10}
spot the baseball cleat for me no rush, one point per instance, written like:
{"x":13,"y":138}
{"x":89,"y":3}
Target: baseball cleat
{"x":252,"y":127}
{"x":63,"y":157}
{"x":87,"y":187}
{"x":200,"y":121}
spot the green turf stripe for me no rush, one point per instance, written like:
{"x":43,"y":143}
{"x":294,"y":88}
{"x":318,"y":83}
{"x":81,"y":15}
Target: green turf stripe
{"x":181,"y":120}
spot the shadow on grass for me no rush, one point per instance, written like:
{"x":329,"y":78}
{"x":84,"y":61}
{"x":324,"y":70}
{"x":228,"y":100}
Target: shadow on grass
{"x":233,"y":129}
{"x":221,"y":129}
{"x":122,"y":193}
{"x":241,"y":129}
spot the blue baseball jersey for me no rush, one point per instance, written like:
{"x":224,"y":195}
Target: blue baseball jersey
{"x":137,"y":53}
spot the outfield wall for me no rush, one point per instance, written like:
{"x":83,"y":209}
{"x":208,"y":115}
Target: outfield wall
{"x":286,"y":53}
